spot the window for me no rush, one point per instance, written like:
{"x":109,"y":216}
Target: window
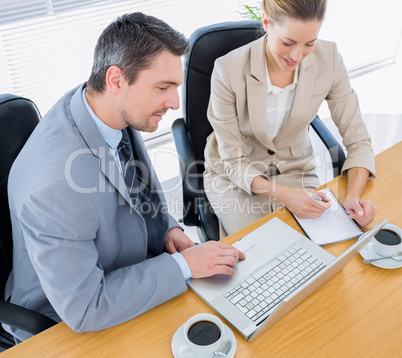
{"x":13,"y":12}
{"x":46,"y":46}
{"x":367,"y":32}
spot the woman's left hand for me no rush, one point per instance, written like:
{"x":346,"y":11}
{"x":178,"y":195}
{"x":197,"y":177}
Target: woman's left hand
{"x":361,"y":210}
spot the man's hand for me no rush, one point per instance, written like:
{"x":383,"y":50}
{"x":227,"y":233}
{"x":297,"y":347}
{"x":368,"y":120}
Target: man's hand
{"x":177,"y":241}
{"x":211,"y":258}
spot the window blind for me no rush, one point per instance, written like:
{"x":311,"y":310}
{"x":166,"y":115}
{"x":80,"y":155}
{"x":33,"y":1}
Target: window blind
{"x":46,"y":46}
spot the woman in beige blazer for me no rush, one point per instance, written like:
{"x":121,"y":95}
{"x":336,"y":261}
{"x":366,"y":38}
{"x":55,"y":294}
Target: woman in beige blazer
{"x":263,"y":97}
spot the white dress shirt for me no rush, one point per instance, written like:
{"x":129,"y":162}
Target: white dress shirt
{"x":279,"y":104}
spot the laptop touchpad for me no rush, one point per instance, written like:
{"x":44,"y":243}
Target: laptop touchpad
{"x":253,"y":255}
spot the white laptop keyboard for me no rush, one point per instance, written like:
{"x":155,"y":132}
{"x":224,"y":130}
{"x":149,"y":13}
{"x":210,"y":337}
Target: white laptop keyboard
{"x":265,"y":288}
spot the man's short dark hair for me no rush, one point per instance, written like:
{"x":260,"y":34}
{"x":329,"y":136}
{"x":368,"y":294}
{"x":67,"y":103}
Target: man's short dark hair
{"x":132,"y":42}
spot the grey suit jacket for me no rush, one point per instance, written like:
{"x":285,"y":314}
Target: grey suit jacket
{"x":240,"y":147}
{"x":81,"y":250}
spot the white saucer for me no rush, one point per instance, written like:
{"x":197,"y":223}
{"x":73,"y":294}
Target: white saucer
{"x":178,"y":340}
{"x":368,"y":252}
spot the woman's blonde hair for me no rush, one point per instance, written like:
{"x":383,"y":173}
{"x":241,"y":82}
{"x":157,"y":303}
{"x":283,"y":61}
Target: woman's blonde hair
{"x":305,"y":10}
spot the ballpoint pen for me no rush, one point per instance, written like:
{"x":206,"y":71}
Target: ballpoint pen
{"x":315,"y":196}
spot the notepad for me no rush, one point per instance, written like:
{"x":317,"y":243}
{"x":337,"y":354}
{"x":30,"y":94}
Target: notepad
{"x":333,"y":225}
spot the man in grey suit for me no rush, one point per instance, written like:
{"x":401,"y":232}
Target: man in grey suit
{"x":94,"y":245}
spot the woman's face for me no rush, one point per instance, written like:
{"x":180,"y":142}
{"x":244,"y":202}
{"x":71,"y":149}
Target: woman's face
{"x":289,"y":41}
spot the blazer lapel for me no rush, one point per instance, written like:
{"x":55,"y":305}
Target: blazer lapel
{"x":256,"y":94}
{"x":304,"y":88}
{"x":97,"y":145}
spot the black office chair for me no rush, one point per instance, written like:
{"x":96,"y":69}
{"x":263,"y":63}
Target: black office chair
{"x":18,"y":118}
{"x":191,"y":131}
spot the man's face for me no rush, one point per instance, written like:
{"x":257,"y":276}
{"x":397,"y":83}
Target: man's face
{"x":154,"y":92}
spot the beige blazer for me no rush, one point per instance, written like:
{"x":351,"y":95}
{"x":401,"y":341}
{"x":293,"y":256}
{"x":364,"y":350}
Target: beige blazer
{"x":240,"y":147}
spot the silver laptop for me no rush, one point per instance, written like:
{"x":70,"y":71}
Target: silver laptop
{"x":282,"y":267}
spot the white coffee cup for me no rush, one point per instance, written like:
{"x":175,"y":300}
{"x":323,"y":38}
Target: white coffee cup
{"x":388,"y":240}
{"x":203,"y":334}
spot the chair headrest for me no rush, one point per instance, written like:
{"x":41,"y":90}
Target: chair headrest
{"x":206,"y":45}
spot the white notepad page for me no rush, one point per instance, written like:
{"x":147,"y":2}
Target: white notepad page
{"x":332,"y":226}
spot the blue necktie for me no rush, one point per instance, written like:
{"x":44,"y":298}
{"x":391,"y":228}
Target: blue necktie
{"x":138,"y":183}
{"x":128,"y":164}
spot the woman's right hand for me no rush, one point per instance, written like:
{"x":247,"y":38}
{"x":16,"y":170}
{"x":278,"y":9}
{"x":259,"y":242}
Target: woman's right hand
{"x":299,"y":201}
{"x":302,"y":204}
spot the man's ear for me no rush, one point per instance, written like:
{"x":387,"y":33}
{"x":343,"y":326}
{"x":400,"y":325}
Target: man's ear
{"x":114,"y":79}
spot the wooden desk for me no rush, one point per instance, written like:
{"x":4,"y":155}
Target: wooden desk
{"x":358,"y":313}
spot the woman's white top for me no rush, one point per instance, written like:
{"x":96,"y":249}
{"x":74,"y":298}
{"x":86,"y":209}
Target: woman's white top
{"x":279,"y":104}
